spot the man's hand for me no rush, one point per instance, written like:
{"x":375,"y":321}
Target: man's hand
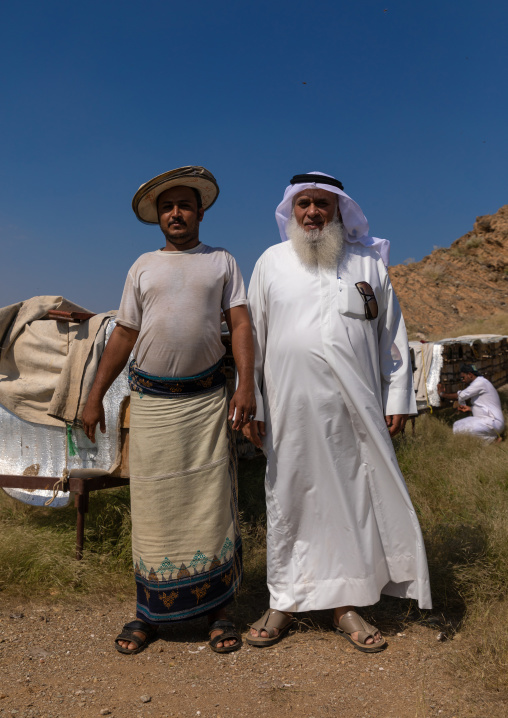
{"x":243,"y":404}
{"x":444,"y":395}
{"x":254,"y":431}
{"x":396,"y":423}
{"x":113,"y":360}
{"x":463,"y":407}
{"x":93,"y":414}
{"x":242,"y":407}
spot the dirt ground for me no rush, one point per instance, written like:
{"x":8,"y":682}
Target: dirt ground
{"x":57,"y":661}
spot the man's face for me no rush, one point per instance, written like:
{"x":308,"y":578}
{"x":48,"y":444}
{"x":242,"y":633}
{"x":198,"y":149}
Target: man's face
{"x":315,"y":208}
{"x":179,"y":216}
{"x":467,"y":378}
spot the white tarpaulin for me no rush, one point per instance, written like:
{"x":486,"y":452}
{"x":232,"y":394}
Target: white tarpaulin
{"x":33,"y":449}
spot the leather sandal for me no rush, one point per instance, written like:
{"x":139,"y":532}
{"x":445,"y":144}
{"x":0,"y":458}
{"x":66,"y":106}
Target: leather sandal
{"x":128,"y":634}
{"x":228,"y":633}
{"x":351,"y":622}
{"x":270,"y":620}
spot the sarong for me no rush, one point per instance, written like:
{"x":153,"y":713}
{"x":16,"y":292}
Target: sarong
{"x":186,"y":542}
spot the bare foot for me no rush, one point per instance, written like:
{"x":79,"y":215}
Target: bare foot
{"x":337,"y":615}
{"x":139,"y":631}
{"x":220,"y":615}
{"x":264,"y":634}
{"x":132,"y":646}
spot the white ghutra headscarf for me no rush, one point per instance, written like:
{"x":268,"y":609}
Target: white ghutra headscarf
{"x":354,"y":220}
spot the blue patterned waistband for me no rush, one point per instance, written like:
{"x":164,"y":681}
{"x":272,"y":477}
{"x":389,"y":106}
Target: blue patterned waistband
{"x":209,"y":380}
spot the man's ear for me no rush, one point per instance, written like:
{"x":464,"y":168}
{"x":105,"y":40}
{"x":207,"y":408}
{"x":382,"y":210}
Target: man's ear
{"x":201,"y":214}
{"x":339,"y":216}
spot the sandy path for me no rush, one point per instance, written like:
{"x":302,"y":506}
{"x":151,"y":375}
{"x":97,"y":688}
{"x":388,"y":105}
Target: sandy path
{"x":46,"y":673}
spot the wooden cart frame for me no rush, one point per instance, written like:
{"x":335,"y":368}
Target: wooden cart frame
{"x":81,"y":488}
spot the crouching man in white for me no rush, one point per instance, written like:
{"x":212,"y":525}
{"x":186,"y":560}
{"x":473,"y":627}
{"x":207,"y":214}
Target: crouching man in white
{"x":332,"y":365}
{"x":487,"y":420}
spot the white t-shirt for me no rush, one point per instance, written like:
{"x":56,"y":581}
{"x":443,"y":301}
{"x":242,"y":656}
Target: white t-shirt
{"x":485,"y":401}
{"x":174,"y":300}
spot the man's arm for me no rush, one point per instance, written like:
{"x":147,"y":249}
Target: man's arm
{"x":396,"y":423}
{"x":452,"y":395}
{"x":243,"y":403}
{"x":394,"y":363}
{"x":113,"y":360}
{"x":255,"y":430}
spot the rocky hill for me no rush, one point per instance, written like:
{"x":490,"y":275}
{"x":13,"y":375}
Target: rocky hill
{"x":468,"y":280}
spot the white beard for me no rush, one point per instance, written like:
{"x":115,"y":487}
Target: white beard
{"x":317,"y":247}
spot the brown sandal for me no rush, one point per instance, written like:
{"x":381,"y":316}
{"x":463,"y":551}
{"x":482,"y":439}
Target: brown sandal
{"x":351,"y":622}
{"x":270,"y":620}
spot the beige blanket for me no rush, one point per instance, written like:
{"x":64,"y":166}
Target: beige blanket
{"x":47,"y":367}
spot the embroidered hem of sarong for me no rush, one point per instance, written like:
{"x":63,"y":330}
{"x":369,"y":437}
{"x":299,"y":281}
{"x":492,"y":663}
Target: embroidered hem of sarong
{"x":209,"y":380}
{"x":188,"y":596}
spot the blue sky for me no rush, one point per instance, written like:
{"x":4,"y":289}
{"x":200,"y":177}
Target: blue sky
{"x":405,"y":102}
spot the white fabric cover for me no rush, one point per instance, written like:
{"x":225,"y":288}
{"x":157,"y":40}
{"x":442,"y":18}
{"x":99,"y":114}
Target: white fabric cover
{"x":354,"y":220}
{"x":341,"y":526}
{"x":424,"y":354}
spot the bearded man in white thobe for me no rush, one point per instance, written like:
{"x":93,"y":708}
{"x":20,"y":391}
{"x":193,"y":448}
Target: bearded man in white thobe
{"x":487,"y":420}
{"x":334,"y":377}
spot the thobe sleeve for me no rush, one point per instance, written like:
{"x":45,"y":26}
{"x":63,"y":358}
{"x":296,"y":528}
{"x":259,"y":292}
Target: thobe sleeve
{"x":469,"y":392}
{"x":256,"y":302}
{"x":394,"y":356}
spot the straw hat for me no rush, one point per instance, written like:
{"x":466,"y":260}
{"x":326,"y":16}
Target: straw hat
{"x":144,"y":202}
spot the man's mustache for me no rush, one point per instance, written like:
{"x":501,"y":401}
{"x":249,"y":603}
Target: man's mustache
{"x":178,"y":221}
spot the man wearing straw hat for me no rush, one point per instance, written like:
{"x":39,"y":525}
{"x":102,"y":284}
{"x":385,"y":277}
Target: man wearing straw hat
{"x":332,"y":364}
{"x":185,"y":534}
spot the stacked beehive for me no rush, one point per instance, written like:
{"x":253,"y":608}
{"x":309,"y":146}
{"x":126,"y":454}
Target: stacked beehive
{"x":488,"y":353}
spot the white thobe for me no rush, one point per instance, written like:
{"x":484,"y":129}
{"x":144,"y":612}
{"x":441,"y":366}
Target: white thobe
{"x":487,"y":421}
{"x":341,"y":526}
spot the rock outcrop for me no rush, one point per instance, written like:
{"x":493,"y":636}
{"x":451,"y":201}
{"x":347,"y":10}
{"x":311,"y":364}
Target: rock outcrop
{"x":468,"y":280}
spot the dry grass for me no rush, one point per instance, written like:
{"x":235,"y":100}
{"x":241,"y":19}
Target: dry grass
{"x":474,"y":241}
{"x":434,"y":272}
{"x":494,"y":324}
{"x":462,"y":249}
{"x":37,"y":547}
{"x":459,"y":487}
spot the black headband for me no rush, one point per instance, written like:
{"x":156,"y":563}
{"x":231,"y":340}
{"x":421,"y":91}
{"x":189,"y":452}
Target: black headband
{"x":321,"y":179}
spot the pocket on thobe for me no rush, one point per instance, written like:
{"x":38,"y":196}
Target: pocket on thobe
{"x":350,"y":301}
